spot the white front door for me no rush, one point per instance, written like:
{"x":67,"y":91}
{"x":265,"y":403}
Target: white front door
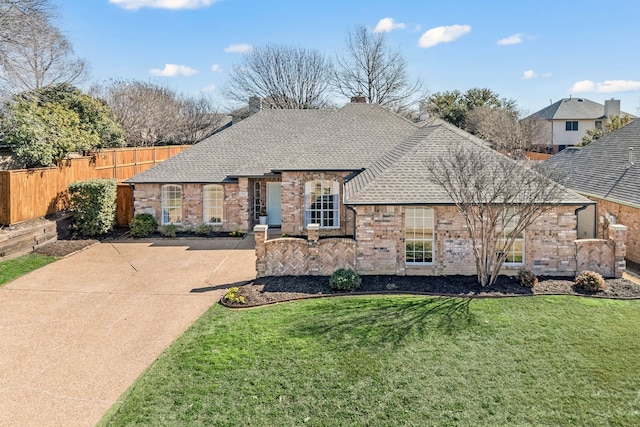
{"x":274,"y":203}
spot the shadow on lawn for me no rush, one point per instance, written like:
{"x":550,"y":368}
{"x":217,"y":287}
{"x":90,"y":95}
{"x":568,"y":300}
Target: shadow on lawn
{"x":376,"y":321}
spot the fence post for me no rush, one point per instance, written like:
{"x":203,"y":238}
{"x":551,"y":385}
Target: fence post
{"x":260,"y":235}
{"x":617,"y":234}
{"x":313,"y":235}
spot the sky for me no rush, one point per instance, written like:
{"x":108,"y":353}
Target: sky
{"x":535,"y":52}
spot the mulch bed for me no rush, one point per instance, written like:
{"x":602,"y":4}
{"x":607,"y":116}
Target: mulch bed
{"x":269,"y":290}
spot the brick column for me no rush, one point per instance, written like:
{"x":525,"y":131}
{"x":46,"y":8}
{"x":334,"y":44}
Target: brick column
{"x":313,"y":236}
{"x":260,"y":234}
{"x":617,"y":233}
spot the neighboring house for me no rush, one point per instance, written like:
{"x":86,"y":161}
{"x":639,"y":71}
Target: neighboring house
{"x":607,"y":171}
{"x":354,"y":183}
{"x":564,"y":123}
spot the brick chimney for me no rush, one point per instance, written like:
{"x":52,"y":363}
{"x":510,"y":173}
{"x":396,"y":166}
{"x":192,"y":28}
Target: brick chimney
{"x":358,"y":99}
{"x":611,"y":107}
{"x":255,"y":104}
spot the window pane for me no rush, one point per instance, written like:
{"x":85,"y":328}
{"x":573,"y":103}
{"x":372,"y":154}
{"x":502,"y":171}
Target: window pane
{"x":419,"y":235}
{"x":212,"y":204}
{"x":322,"y":203}
{"x":171,"y":204}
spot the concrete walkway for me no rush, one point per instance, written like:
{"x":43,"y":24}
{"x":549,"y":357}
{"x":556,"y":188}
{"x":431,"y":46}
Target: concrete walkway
{"x":75,"y":334}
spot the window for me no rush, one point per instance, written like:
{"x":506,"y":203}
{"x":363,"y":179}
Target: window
{"x":571,"y":125}
{"x":171,"y":204}
{"x":257,"y":200}
{"x":418,"y":232}
{"x":322,"y":203}
{"x":212,"y":197}
{"x":515,"y":255}
{"x":599,"y":124}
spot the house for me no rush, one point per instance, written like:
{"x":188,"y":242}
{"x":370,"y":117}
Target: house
{"x":607,"y":171}
{"x":564,"y":123}
{"x":353,"y":186}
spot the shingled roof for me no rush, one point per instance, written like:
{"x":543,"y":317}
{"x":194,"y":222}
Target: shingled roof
{"x":602,"y":169}
{"x":350,"y":139}
{"x":389,"y":156}
{"x":572,"y":109}
{"x":404,"y":174}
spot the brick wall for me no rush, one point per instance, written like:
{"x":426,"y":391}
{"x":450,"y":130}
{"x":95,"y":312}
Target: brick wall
{"x":628,"y":216}
{"x":293,"y":203}
{"x":551,"y":247}
{"x":290,"y":256}
{"x":147,"y":199}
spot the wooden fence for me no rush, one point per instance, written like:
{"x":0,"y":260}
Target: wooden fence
{"x":31,"y":193}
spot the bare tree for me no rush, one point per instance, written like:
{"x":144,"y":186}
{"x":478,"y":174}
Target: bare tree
{"x":42,"y":57}
{"x":285,"y":77}
{"x":33,"y":52}
{"x":371,"y":69}
{"x":503,"y":128}
{"x":498,"y":198}
{"x":198,"y":119}
{"x":152,"y":114}
{"x":17,"y":14}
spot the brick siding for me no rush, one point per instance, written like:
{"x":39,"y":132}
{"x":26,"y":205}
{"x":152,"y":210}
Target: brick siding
{"x":551,"y":247}
{"x":628,"y":216}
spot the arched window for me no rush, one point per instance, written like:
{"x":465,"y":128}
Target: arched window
{"x":212,"y":203}
{"x":322,"y":203}
{"x":171,"y":204}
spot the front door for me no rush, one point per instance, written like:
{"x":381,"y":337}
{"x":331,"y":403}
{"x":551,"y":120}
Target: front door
{"x":274,"y":204}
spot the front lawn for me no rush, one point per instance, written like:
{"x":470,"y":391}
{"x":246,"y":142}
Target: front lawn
{"x":403,"y":361}
{"x":16,"y":267}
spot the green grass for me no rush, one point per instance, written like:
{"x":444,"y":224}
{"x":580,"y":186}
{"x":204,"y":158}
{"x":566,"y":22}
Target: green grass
{"x":398,"y":361}
{"x":16,"y":267}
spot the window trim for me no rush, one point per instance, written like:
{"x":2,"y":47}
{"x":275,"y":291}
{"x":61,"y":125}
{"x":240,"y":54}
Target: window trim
{"x":206,"y":208}
{"x":166,"y":192}
{"x":414,"y":239}
{"x":334,"y":192}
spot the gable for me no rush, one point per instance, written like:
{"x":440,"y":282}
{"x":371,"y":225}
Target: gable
{"x":404,"y":175}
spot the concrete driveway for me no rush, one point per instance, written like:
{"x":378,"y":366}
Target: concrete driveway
{"x":75,"y":334}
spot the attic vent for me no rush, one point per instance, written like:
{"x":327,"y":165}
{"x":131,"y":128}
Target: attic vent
{"x":579,"y":99}
{"x":630,"y":156}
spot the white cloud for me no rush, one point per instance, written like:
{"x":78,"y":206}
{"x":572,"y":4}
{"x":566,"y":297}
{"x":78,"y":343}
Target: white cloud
{"x":617,"y":86}
{"x":215,"y":67}
{"x":514,"y":39}
{"x":163,"y":4}
{"x":209,"y":88}
{"x":583,"y":86}
{"x":386,"y":24}
{"x":439,"y":35}
{"x":238,"y":48}
{"x":530,"y":74}
{"x":173,"y":70}
{"x":607,"y":86}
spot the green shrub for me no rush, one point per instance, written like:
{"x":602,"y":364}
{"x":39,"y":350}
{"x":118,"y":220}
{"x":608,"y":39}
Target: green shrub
{"x":526,"y":278}
{"x":204,"y":229}
{"x":590,"y":281}
{"x":170,"y":231}
{"x":345,"y":280}
{"x":94,"y":205}
{"x":142,"y":225}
